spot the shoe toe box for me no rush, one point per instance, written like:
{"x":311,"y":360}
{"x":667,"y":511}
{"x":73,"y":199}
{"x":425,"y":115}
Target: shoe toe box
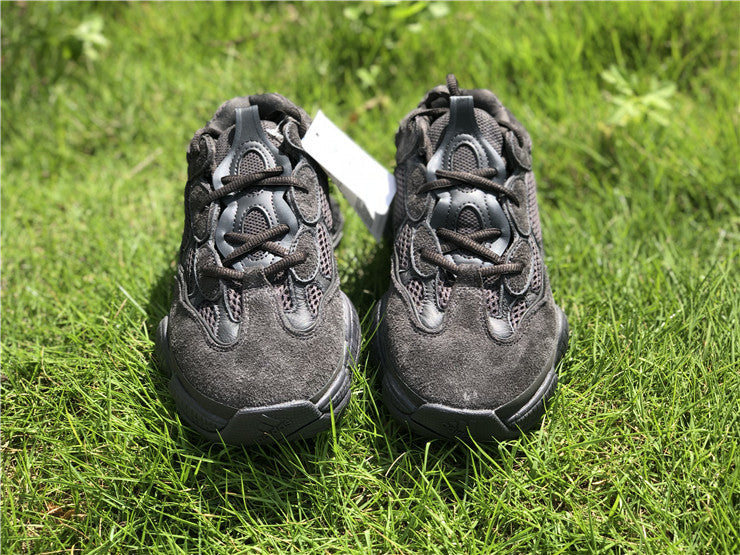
{"x":268,"y":363}
{"x":462,"y":365}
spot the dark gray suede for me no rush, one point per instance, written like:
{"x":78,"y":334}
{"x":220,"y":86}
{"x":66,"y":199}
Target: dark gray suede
{"x":266,"y":365}
{"x":462,"y":365}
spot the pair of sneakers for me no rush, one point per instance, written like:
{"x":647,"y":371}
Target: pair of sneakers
{"x":260,"y":340}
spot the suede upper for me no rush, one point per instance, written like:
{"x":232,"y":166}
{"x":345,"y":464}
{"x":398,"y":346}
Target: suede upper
{"x":266,"y":364}
{"x":461,"y":365}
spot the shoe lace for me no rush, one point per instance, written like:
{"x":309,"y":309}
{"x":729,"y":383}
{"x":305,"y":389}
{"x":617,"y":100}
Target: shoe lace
{"x":247,"y":243}
{"x":472,"y":242}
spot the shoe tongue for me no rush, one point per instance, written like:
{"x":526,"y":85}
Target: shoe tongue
{"x":249,"y":146}
{"x":463,"y":158}
{"x":251,"y":162}
{"x":466,"y":139}
{"x":468,"y":221}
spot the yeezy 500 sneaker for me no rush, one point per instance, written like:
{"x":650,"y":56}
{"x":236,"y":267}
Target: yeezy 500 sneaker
{"x":469,"y":334}
{"x":259,"y":339}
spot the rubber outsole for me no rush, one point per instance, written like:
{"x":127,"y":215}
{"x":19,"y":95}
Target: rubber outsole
{"x":300,"y":419}
{"x":508,"y":421}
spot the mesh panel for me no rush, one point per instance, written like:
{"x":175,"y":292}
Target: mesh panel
{"x":490,"y":130}
{"x":251,"y":163}
{"x":313,"y":298}
{"x":223,"y":144}
{"x":464,"y":159}
{"x":325,"y":251}
{"x":189,"y":267}
{"x":468,"y":221}
{"x":516,"y":312}
{"x":493,"y":302}
{"x":416,"y":289}
{"x":487,"y":125}
{"x":443,"y":294}
{"x":416,"y":178}
{"x":398,"y":204}
{"x":209,"y":313}
{"x":255,"y":222}
{"x":283,"y":292}
{"x":234,"y":298}
{"x":437,"y":129}
{"x":402,"y":244}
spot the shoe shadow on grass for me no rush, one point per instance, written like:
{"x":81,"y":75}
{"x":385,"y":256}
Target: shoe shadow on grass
{"x":367,"y":278}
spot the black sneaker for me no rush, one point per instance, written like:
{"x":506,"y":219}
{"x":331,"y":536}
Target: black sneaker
{"x":469,"y":334}
{"x":260,"y":339}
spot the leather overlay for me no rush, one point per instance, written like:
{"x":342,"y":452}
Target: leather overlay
{"x":208,"y":287}
{"x":463,"y":133}
{"x":306,"y":271}
{"x":308,"y":203}
{"x":416,"y":204}
{"x":519,"y":213}
{"x":198,"y":211}
{"x":250,"y":140}
{"x":423,"y":238}
{"x":521,"y":252}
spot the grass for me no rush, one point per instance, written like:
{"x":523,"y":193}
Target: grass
{"x":633,"y":110}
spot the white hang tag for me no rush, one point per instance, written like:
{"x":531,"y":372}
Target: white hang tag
{"x":366,"y":185}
